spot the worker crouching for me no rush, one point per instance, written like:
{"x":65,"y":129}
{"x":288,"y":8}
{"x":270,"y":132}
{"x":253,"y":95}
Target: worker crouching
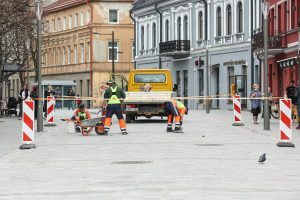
{"x":114,"y":94}
{"x":175,"y":111}
{"x":80,"y":114}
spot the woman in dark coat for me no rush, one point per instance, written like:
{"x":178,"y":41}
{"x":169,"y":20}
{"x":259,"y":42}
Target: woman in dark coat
{"x":255,"y":103}
{"x":23,"y":95}
{"x":34,"y":96}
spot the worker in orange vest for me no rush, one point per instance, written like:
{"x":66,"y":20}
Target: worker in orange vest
{"x":175,"y":110}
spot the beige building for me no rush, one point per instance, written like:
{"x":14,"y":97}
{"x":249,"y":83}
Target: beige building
{"x":77,"y":42}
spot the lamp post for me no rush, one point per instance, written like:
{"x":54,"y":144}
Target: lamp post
{"x":38,"y":11}
{"x":265,"y":9}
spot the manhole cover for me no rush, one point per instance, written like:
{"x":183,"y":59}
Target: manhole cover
{"x":131,"y":162}
{"x":210,"y":145}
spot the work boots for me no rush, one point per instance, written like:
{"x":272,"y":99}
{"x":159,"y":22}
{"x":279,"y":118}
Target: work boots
{"x":178,"y":130}
{"x":169,"y":129}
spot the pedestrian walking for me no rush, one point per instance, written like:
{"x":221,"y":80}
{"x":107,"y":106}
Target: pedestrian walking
{"x":270,"y":95}
{"x":256,"y":102}
{"x":290,"y":92}
{"x":175,"y":110}
{"x":71,"y":95}
{"x":114,"y":94}
{"x":34,"y":95}
{"x":58,"y":94}
{"x":48,"y":92}
{"x":297,"y":102}
{"x":23,"y":95}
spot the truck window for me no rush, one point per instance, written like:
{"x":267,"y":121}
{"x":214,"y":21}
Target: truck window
{"x":149,"y":78}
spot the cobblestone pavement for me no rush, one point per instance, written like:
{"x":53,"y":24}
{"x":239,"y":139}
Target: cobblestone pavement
{"x":211,"y":160}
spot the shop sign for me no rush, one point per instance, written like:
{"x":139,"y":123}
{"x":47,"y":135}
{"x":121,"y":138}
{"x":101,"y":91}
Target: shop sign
{"x":287,"y":63}
{"x":237,"y":62}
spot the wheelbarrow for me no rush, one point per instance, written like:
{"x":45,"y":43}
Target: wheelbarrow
{"x":88,"y":125}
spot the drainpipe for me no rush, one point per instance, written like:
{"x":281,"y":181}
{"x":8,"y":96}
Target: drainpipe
{"x":160,"y":33}
{"x":91,"y":47}
{"x":135,"y":47}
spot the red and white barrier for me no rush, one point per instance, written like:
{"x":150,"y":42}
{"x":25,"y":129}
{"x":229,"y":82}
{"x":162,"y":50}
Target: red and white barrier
{"x":237,"y":111}
{"x":28,"y":125}
{"x":285,"y":123}
{"x":50,"y":111}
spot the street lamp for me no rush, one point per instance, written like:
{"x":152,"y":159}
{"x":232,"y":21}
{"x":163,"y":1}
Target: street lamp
{"x":39,"y":12}
{"x":265,"y":9}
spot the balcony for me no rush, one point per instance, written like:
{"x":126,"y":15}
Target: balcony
{"x":276,"y":43}
{"x":175,"y":48}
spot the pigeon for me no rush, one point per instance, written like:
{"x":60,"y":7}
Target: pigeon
{"x":262,"y":158}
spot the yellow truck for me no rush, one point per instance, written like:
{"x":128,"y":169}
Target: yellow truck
{"x":146,"y":92}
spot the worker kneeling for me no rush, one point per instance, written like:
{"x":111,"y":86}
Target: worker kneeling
{"x":175,"y":109}
{"x":114,"y":94}
{"x":80,"y":114}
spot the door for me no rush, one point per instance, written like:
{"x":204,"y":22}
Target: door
{"x":241,"y":88}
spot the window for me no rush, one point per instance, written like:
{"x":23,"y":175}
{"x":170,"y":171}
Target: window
{"x":185,"y":28}
{"x":167,"y":28}
{"x":76,"y":20}
{"x":88,"y":51}
{"x":219,"y":22}
{"x":133,"y":50}
{"x":179,"y":28}
{"x":148,"y":36}
{"x":200,"y":26}
{"x":64,"y":23}
{"x":58,"y":24}
{"x":142,"y":38}
{"x":58,"y":56}
{"x":81,"y":53}
{"x":70,"y":22}
{"x":53,"y":25}
{"x":229,"y":20}
{"x":178,"y":82}
{"x":110,"y":51}
{"x":231,"y":80}
{"x":81,"y":19}
{"x":69,"y":56}
{"x":293,"y":16}
{"x":149,"y":78}
{"x":240,"y":17}
{"x":154,"y":35}
{"x":113,"y":16}
{"x":54,"y":56}
{"x":64,"y":56}
{"x":88,"y":16}
{"x":185,"y":85}
{"x":75,"y":54}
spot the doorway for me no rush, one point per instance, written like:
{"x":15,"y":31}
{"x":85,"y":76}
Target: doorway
{"x":241,"y":88}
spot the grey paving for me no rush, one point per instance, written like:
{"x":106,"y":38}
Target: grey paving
{"x":211,"y":160}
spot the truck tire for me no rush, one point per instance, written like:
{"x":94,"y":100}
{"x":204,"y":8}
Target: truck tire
{"x":129,"y":118}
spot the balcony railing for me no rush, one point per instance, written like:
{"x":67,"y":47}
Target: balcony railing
{"x":274,"y":42}
{"x":175,"y":47}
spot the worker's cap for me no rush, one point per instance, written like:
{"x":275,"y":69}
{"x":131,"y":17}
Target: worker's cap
{"x":111,"y":82}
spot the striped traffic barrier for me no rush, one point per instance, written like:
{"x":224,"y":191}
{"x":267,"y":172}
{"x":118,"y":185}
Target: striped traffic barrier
{"x":285,"y":123}
{"x":237,"y":111}
{"x":28,"y":125}
{"x":50,"y":111}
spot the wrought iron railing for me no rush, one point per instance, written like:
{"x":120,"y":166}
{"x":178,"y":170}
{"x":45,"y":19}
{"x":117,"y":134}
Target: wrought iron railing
{"x":174,"y":46}
{"x":274,"y":41}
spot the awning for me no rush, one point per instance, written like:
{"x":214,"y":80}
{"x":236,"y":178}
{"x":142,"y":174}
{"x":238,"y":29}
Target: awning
{"x":289,"y":62}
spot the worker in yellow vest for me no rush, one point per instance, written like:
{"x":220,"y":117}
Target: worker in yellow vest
{"x":175,"y":110}
{"x":113,"y":96}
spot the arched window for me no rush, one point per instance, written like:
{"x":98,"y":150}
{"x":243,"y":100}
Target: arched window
{"x":185,"y":28}
{"x":148,"y":36}
{"x":219,"y":22}
{"x":167,"y":28}
{"x":179,"y":28}
{"x":239,"y":17}
{"x":142,"y":38}
{"x":200,"y":25}
{"x":154,"y":35}
{"x":229,"y":20}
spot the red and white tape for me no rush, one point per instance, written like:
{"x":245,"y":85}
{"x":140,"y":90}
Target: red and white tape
{"x":285,"y":120}
{"x":50,"y":109}
{"x":28,"y":122}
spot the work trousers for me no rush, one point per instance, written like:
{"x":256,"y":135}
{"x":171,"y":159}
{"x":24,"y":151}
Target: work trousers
{"x":112,"y":109}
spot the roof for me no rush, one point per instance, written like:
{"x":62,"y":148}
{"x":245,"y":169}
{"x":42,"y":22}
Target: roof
{"x":143,"y":3}
{"x":64,"y":4}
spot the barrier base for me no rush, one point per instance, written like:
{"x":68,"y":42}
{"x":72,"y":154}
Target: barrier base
{"x":49,"y":125}
{"x":27,"y":146}
{"x":238,"y":124}
{"x":285,"y":144}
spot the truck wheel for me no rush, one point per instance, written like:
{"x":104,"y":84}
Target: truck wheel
{"x":129,"y":118}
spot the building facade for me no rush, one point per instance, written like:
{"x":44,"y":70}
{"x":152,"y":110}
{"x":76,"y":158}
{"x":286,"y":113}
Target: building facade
{"x":284,"y":44}
{"x":77,"y":42}
{"x":174,"y":32}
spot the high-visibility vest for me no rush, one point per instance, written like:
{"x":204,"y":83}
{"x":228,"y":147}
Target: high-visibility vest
{"x":114,"y":99}
{"x":82,"y":115}
{"x":180,"y":105}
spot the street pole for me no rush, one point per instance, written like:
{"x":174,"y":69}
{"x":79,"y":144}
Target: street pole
{"x":39,"y":73}
{"x":113,"y":54}
{"x":266,"y":80}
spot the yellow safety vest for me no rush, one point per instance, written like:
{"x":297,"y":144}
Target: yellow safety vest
{"x":82,"y":116}
{"x":180,"y":105}
{"x":114,"y":99}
